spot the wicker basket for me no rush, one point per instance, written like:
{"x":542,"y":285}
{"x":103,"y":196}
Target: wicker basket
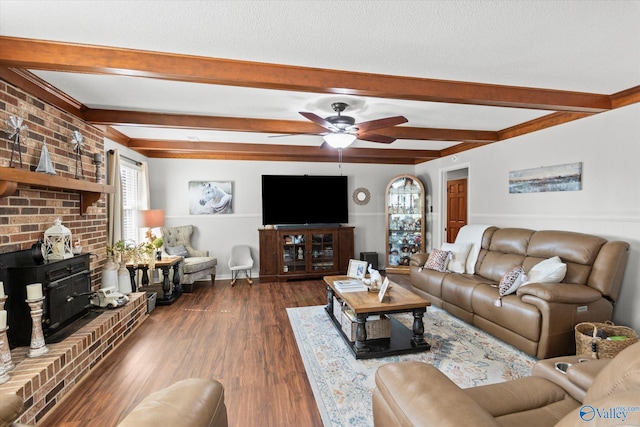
{"x":588,"y":343}
{"x":337,"y":309}
{"x":376,"y":329}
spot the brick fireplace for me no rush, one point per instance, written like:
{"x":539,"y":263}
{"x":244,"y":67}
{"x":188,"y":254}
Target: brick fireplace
{"x":42,"y":381}
{"x":26,"y":214}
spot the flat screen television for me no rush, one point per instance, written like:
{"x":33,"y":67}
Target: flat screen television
{"x":304,"y":199}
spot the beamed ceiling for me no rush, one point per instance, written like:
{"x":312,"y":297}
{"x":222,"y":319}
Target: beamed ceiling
{"x":167,"y":104}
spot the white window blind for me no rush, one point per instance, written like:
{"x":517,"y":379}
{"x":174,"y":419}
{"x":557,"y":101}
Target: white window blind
{"x":130,"y":195}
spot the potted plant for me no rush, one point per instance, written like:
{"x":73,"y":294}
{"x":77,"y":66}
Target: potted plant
{"x":129,"y":253}
{"x":144,"y":254}
{"x":117,"y":251}
{"x":121,"y":252}
{"x":157,"y":243}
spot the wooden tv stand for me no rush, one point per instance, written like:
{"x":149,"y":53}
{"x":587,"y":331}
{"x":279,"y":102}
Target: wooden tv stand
{"x":304,"y":252}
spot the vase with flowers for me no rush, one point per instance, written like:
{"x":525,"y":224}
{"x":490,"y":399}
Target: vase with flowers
{"x":128,"y":252}
{"x":120,"y":251}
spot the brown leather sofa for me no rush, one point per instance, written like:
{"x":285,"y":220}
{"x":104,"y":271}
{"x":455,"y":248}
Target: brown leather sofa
{"x":417,"y":394}
{"x":540,"y":318}
{"x":194,"y":402}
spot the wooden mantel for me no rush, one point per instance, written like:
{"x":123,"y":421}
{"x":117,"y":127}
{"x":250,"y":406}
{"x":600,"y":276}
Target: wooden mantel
{"x":90,"y":192}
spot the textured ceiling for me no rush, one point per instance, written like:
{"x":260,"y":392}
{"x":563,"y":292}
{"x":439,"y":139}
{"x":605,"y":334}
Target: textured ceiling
{"x":586,"y":46}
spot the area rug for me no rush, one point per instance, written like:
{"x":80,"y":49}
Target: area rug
{"x":342,"y":385}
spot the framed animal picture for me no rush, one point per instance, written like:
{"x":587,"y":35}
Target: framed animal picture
{"x":210,"y":197}
{"x":357,"y":269}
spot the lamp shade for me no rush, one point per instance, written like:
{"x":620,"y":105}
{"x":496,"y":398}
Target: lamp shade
{"x":339,"y":140}
{"x":152,"y":218}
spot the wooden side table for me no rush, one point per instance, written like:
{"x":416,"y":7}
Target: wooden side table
{"x":170,"y":293}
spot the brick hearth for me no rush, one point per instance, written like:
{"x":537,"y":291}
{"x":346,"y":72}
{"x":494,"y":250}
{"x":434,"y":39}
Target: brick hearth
{"x":41,"y":382}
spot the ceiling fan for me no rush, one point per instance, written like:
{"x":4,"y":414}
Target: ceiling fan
{"x":343,"y":130}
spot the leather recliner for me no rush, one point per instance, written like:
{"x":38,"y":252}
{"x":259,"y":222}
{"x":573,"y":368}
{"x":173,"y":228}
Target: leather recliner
{"x":417,"y":394}
{"x":194,"y":402}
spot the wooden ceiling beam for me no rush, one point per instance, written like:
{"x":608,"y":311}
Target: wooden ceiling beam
{"x":282,"y":157}
{"x":237,"y":151}
{"x":435,"y":134}
{"x":58,"y":56}
{"x":539,"y":123}
{"x":626,"y":97}
{"x":459,"y":148}
{"x":534,"y":125}
{"x":116,"y":136}
{"x":190,"y":121}
{"x":37,"y":87}
{"x":237,"y":124}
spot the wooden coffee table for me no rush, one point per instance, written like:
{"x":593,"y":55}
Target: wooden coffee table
{"x":402,"y":341}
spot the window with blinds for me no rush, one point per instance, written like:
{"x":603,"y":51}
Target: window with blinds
{"x":130,"y":176}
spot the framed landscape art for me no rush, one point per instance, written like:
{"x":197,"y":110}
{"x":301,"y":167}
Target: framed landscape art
{"x":566,"y":177}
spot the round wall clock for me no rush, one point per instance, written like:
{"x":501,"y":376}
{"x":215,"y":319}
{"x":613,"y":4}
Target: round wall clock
{"x":361,"y":196}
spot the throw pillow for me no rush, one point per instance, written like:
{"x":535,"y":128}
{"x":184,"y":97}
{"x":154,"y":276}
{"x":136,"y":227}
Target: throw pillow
{"x":509,"y":283}
{"x":550,"y":270}
{"x":179,"y":250}
{"x":437,"y":260}
{"x":459,"y":253}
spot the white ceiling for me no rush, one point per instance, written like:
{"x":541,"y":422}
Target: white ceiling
{"x":586,"y":46}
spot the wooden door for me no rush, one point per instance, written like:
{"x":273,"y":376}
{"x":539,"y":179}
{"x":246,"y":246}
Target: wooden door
{"x":456,"y":207}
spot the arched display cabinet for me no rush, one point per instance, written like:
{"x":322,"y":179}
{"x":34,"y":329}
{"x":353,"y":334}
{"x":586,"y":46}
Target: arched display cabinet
{"x":405,"y":213}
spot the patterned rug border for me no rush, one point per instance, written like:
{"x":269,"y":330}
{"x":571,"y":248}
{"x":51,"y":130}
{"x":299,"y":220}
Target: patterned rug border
{"x":342,"y":385}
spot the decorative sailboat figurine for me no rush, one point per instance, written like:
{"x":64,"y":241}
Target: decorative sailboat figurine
{"x":45,"y":165}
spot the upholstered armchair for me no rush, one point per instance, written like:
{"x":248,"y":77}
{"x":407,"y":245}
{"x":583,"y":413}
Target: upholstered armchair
{"x":197,"y":263}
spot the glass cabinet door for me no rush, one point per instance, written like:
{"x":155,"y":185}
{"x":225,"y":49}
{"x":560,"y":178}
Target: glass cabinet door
{"x":294,"y":253}
{"x":322,"y":251}
{"x":405,"y":221}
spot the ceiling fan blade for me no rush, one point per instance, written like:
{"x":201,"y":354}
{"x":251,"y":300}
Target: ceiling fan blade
{"x":381,"y":123}
{"x":319,"y":121}
{"x":376,"y":138}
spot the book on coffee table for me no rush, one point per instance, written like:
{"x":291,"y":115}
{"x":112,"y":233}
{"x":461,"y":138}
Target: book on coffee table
{"x":350,"y":285}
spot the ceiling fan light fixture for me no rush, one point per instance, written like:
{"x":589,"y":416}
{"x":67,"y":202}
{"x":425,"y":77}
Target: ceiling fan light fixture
{"x":339,"y":140}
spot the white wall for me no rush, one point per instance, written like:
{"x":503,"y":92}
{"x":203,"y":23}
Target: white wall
{"x":217,"y":233}
{"x":607,"y":144}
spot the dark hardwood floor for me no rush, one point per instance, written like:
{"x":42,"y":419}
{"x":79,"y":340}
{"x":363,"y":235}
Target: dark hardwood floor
{"x":239,"y":335}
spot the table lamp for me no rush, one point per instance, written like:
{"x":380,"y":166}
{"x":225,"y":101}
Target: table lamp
{"x":151,"y":219}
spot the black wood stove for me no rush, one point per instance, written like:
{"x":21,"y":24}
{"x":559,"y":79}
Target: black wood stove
{"x":65,"y":285}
